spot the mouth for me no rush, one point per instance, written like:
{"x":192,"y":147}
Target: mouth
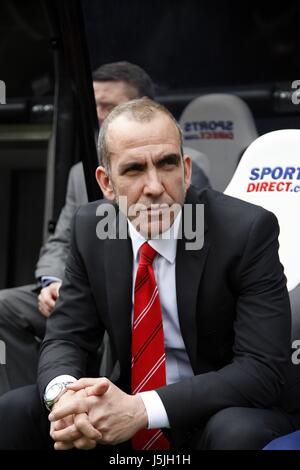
{"x":153,"y":219}
{"x":153,"y":213}
{"x":157,"y":207}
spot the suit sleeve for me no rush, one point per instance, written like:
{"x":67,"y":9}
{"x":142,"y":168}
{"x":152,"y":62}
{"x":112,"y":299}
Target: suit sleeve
{"x":54,"y":253}
{"x":74,"y":330}
{"x":256,"y":374}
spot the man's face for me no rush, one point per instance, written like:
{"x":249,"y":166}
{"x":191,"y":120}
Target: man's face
{"x":109,"y":94}
{"x":146,"y":166}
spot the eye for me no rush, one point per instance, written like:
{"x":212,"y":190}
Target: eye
{"x":132,"y":170}
{"x":168,"y":162}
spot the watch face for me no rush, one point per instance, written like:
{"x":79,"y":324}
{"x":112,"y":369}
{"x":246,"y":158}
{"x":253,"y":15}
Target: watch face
{"x":53,"y":392}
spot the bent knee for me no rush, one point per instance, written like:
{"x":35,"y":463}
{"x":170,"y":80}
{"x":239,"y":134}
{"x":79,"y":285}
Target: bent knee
{"x":229,"y":429}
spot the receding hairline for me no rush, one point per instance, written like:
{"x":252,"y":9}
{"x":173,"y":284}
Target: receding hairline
{"x":142,"y":117}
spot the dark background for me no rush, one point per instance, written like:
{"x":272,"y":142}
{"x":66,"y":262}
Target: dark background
{"x":183,"y":44}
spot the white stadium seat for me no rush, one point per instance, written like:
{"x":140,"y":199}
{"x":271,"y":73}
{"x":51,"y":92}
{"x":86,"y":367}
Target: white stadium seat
{"x":221,"y":126}
{"x":269,"y":175}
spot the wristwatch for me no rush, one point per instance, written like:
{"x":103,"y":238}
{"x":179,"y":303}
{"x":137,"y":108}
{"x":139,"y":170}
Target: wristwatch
{"x":53,"y":394}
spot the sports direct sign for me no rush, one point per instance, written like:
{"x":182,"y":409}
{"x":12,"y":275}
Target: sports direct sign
{"x":207,"y":130}
{"x":274,"y":179}
{"x":268,"y":175}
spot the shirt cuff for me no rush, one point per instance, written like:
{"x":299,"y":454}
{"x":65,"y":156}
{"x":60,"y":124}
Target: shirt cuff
{"x":157,"y":415}
{"x":47,"y":280}
{"x":60,"y":379}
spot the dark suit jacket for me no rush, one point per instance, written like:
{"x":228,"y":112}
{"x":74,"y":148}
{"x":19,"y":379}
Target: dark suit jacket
{"x":232,"y":301}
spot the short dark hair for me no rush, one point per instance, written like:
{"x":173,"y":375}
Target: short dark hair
{"x":126,"y":72}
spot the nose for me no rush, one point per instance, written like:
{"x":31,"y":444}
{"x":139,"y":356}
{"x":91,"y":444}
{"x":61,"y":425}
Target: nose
{"x":153,"y":186}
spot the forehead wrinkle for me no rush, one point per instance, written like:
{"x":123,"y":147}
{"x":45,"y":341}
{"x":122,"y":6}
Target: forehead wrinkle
{"x":142,"y":154}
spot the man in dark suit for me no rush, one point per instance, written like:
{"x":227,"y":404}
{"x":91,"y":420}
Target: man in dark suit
{"x":225,"y":314}
{"x":23,"y":314}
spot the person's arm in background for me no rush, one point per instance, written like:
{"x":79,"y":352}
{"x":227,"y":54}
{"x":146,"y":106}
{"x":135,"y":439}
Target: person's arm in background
{"x":53,"y":255}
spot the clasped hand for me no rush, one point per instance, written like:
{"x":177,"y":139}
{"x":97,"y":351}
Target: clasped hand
{"x":95,"y":411}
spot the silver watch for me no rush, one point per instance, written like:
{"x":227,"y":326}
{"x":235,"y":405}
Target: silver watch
{"x":53,"y":394}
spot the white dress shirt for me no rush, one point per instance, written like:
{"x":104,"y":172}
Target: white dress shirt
{"x":178,"y":366}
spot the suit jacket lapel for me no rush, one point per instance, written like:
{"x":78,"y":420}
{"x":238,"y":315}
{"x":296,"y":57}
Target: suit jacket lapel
{"x":118,"y":266}
{"x":189,"y":269}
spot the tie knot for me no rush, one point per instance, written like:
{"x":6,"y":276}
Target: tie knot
{"x":147,"y":254}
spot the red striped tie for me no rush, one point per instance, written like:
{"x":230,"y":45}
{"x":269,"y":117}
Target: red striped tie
{"x":148,"y":367}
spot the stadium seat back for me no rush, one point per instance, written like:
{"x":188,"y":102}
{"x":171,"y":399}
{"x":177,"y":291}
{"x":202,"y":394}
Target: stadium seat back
{"x":269,"y":175}
{"x":221,"y":126}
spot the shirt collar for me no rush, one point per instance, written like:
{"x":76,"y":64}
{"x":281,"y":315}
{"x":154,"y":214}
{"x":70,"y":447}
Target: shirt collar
{"x":165,"y":246}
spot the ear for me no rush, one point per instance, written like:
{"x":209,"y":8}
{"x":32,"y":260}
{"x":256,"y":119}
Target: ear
{"x":105,"y":183}
{"x":187,"y":164}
